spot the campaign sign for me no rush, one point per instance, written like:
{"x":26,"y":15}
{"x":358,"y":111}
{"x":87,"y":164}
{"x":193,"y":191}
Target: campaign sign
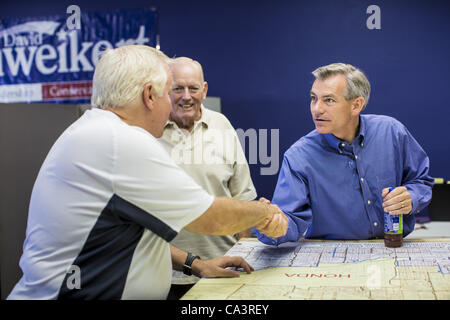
{"x":47,"y":59}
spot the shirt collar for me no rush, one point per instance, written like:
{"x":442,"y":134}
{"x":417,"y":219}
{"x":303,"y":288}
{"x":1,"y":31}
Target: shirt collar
{"x":362,"y":129}
{"x":338,"y":144}
{"x":204,"y":119}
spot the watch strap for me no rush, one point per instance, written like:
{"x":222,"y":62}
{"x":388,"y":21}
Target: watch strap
{"x":187,"y":267}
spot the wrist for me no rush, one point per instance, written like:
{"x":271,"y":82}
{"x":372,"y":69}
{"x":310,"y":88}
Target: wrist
{"x":188,"y":264}
{"x":198,"y":266}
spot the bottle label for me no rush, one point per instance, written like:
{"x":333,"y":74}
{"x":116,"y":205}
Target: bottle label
{"x":393,"y":224}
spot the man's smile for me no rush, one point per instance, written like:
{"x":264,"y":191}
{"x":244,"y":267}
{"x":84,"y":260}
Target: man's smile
{"x":186,"y":106}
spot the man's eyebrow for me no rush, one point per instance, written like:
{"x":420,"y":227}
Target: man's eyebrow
{"x":329,"y":95}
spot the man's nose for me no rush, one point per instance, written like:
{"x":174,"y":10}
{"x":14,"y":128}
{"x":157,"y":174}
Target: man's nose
{"x":317,"y":107}
{"x":186,"y":94}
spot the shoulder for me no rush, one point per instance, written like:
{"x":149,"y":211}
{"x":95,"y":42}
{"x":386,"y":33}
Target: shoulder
{"x":92,"y":132}
{"x":383,"y":123}
{"x":305,"y":145}
{"x":217,"y":119}
{"x":99,"y":129}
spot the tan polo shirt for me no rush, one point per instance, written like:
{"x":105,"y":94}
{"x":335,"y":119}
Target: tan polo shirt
{"x":212,"y":155}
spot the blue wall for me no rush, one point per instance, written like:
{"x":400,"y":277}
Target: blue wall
{"x":258,"y":57}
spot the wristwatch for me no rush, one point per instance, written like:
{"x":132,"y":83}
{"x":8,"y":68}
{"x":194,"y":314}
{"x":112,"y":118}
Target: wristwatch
{"x":187,"y":267}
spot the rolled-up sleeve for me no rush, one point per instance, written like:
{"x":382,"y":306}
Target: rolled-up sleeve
{"x":291,"y":196}
{"x":416,"y":176}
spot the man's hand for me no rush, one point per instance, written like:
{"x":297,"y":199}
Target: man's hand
{"x":398,"y":201}
{"x":275,"y":227}
{"x":215,"y":268}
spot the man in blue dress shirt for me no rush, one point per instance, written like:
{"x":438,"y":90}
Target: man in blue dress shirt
{"x":333,"y":183}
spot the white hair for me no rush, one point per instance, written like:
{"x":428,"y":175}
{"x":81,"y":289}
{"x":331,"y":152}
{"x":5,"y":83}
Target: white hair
{"x":357,"y":83}
{"x":181,"y":60}
{"x":121,"y":74}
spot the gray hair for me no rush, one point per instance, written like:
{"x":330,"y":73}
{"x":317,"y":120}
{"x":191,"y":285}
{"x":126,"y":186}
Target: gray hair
{"x":357,"y":83}
{"x":121,"y":74}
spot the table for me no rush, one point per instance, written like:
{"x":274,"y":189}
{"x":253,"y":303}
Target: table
{"x":433,"y":229}
{"x":324,"y":270}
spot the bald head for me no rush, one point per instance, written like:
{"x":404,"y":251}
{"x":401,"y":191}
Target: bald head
{"x":188,"y":91}
{"x":185,"y":61}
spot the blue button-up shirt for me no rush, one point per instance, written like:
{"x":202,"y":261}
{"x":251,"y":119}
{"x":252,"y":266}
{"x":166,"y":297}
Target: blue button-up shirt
{"x":331,"y":189}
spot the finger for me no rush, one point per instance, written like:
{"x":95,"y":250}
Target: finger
{"x":263,"y":225}
{"x":280,"y":227}
{"x":236,"y":262}
{"x":403,"y":197}
{"x":400,"y":208}
{"x":227,"y":273}
{"x":275,"y":226}
{"x":285,"y":225}
{"x":384,"y":192}
{"x":397,"y":191}
{"x":239,"y":262}
{"x":395,"y":208}
{"x":264,"y":200}
{"x":270,"y":227}
{"x":399,"y":212}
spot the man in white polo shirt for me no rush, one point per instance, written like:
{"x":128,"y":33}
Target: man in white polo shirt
{"x":108,"y":199}
{"x":203,"y":143}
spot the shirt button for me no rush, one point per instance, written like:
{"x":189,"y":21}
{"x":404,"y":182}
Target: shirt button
{"x":362,"y":179}
{"x":375,"y":224}
{"x":343,"y":145}
{"x":369,"y":202}
{"x":356,"y":157}
{"x":362,"y":144}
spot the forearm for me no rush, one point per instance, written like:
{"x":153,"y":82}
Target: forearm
{"x":178,"y":258}
{"x":229,"y":216}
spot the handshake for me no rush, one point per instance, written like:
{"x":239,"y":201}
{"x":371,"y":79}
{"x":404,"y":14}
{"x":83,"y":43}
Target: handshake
{"x":230,"y":216}
{"x":276,"y":225}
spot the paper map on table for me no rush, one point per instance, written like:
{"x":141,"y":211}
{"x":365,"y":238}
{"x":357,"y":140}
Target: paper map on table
{"x":336,"y":270}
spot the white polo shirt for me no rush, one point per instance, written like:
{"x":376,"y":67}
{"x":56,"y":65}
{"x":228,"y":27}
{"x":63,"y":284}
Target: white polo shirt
{"x":106,"y":203}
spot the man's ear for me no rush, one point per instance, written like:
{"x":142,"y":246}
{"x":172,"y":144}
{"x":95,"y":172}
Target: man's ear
{"x":205,"y":90}
{"x":358,"y":104}
{"x":148,"y":96}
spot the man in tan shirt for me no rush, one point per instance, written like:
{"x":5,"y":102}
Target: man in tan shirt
{"x":204,"y":143}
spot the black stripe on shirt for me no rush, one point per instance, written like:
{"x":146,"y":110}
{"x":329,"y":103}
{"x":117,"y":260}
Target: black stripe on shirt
{"x":106,"y":256}
{"x":143,"y":218}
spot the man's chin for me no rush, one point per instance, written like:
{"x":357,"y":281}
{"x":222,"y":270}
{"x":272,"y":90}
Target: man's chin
{"x":187,"y":121}
{"x":322,"y":130}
